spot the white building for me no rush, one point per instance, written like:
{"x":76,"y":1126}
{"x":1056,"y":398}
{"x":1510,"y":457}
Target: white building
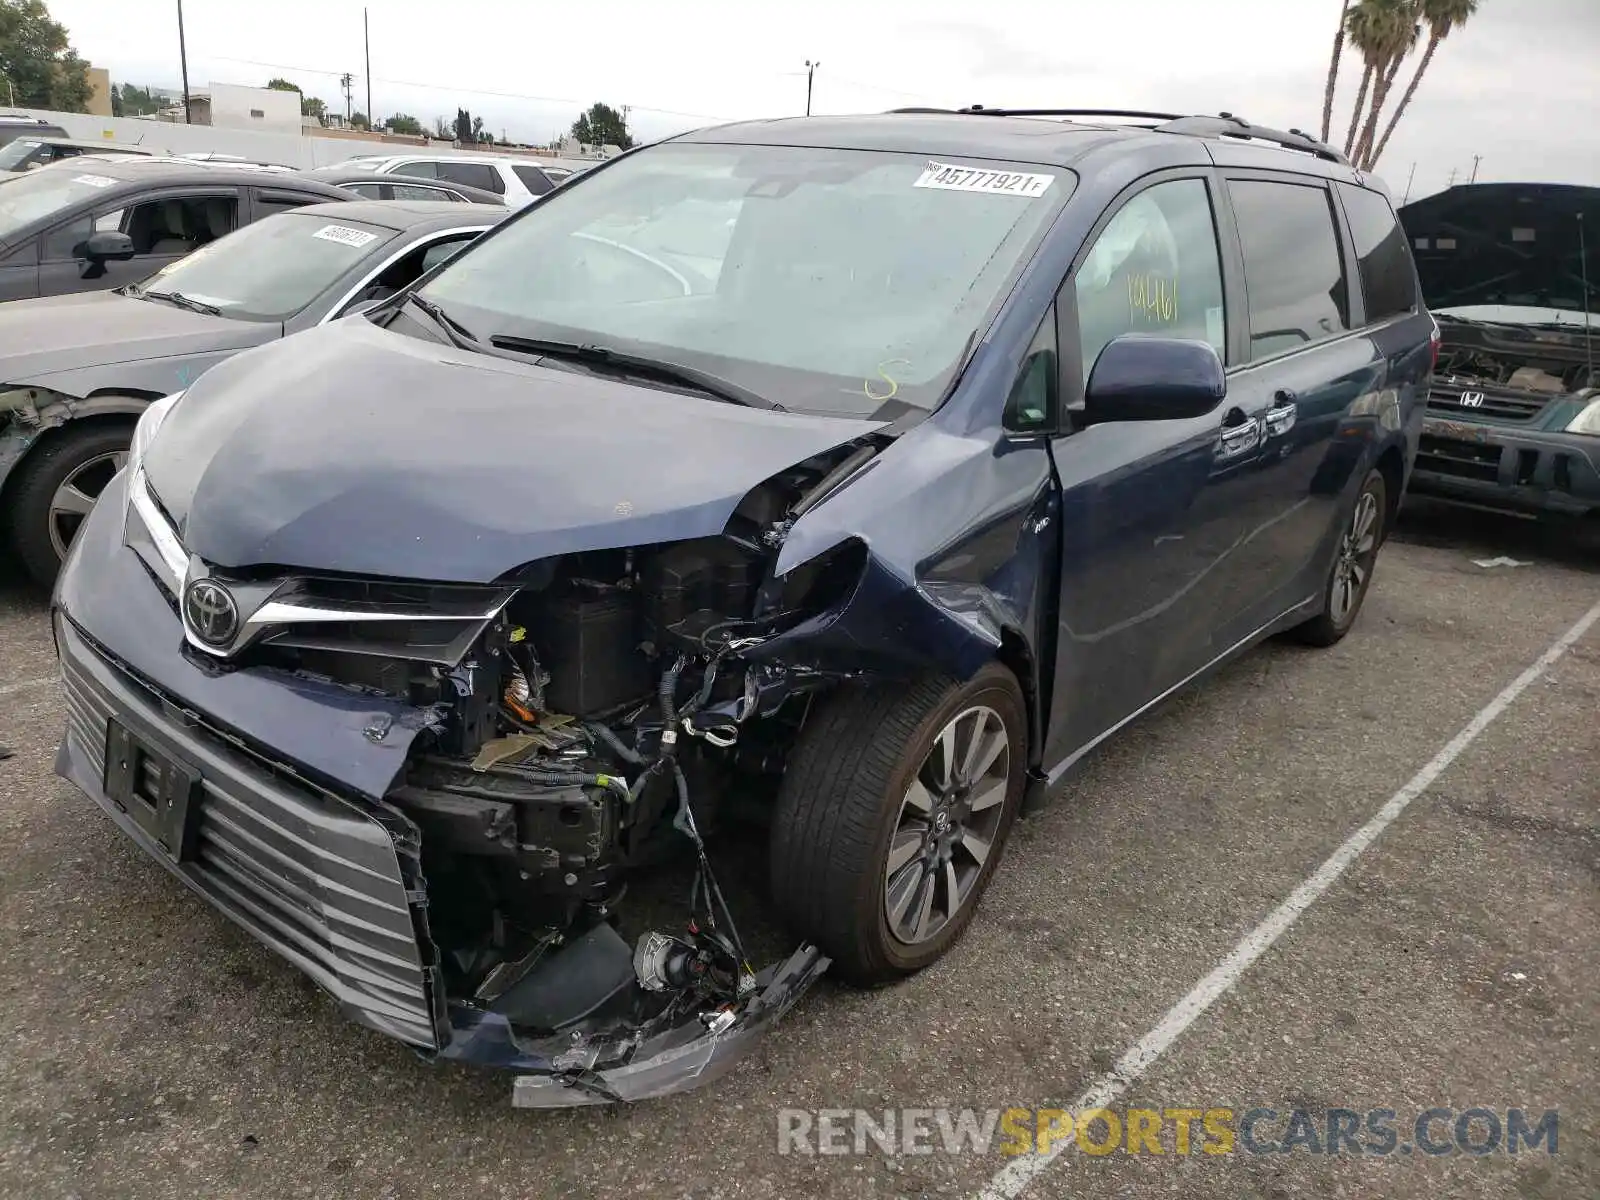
{"x":263,"y":109}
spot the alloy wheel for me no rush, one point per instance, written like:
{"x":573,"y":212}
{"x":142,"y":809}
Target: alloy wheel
{"x":946,"y":828}
{"x":70,"y":504}
{"x":1358,"y":550}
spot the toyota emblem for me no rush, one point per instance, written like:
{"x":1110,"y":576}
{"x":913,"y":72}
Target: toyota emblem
{"x":210,"y":610}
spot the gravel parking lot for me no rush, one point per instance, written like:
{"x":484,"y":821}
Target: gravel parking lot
{"x":155,"y":1051}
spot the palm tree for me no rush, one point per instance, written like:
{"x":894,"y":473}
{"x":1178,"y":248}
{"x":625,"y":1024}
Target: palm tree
{"x":1443,"y":17}
{"x":1333,"y":72}
{"x":1398,"y":32}
{"x":1370,"y":26}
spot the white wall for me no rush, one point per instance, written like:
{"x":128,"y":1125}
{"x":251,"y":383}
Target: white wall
{"x":234,"y":107}
{"x":292,"y":150}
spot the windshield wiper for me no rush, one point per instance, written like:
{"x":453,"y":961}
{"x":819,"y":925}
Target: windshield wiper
{"x":641,"y":365}
{"x":454,"y":329}
{"x":182,"y":301}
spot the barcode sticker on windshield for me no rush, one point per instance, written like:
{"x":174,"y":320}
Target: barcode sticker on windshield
{"x":952,"y":178}
{"x":345,"y":235}
{"x":94,"y":180}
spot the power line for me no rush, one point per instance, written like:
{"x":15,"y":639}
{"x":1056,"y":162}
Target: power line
{"x":467,"y":91}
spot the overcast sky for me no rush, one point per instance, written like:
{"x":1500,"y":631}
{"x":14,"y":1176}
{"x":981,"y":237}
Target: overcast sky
{"x":1508,"y":87}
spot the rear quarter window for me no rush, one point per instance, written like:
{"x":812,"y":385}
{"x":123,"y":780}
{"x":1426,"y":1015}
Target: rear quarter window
{"x":1293,"y":271}
{"x":1388,"y":279}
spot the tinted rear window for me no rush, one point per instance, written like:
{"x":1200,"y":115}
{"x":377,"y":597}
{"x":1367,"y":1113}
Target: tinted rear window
{"x":532,"y":178}
{"x":1387,"y":278}
{"x":1293,"y":272}
{"x":478,"y":175}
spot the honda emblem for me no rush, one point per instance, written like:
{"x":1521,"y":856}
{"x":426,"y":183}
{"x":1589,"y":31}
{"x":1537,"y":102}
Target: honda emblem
{"x":1471,"y":399}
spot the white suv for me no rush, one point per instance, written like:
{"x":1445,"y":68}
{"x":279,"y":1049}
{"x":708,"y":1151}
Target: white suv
{"x":519,"y":180}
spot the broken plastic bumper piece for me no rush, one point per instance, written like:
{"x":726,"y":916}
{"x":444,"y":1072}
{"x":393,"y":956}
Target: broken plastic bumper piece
{"x":690,"y":1054}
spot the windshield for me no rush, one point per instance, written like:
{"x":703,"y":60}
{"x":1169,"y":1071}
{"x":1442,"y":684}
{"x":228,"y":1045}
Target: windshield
{"x":13,"y":156}
{"x":24,"y":199}
{"x":270,"y":270}
{"x":829,"y":281}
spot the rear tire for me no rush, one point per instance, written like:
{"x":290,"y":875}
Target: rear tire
{"x":877,"y":855}
{"x":1354,"y":559}
{"x":54,"y":489}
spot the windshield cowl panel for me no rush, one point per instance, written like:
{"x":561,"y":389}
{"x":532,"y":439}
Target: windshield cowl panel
{"x":835,"y":282}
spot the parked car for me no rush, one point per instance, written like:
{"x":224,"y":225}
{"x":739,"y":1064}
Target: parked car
{"x":519,"y":180}
{"x":103,"y":221}
{"x":406,"y":641}
{"x":1514,"y":281}
{"x":79,"y":369}
{"x":363,"y":182}
{"x":15,"y":125}
{"x":33,"y":151}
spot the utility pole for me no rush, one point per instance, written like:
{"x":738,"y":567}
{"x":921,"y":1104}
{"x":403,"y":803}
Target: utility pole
{"x":1410,"y":179}
{"x":811,"y":69}
{"x":1476,"y":159}
{"x":183,"y":59}
{"x":347,"y":84}
{"x":366,"y":42}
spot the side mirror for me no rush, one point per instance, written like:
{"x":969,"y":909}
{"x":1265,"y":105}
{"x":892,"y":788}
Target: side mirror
{"x":1142,"y":378}
{"x":106,"y":245}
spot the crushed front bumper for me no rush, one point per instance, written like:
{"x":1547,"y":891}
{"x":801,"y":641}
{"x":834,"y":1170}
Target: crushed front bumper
{"x":1497,"y":466}
{"x":327,"y":877}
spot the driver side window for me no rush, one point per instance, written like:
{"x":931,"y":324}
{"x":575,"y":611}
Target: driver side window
{"x":1155,"y":268}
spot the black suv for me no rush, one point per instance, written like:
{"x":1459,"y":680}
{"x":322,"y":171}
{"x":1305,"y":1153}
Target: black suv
{"x":859,"y":474}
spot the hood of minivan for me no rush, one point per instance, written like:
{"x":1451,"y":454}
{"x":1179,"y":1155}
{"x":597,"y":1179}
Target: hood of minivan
{"x":39,"y":338}
{"x":1516,"y":244}
{"x":354,"y":449}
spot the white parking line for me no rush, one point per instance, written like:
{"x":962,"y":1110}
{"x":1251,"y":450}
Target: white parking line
{"x":1013,"y":1179}
{"x":10,"y":689}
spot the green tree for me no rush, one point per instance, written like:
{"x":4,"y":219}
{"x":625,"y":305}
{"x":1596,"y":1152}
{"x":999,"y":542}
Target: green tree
{"x":463,"y":126}
{"x":404,"y":124}
{"x":602,"y":125}
{"x":1443,"y":17}
{"x":36,"y":60}
{"x":137,"y":101}
{"x":358,"y":120}
{"x":477,"y":131}
{"x":116,"y":101}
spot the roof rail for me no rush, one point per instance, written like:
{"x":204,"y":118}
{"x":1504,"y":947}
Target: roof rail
{"x":978,"y":109}
{"x":1229,"y":126}
{"x":1223,"y":125}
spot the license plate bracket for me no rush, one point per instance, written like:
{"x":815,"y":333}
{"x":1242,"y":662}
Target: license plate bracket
{"x":161,"y":794}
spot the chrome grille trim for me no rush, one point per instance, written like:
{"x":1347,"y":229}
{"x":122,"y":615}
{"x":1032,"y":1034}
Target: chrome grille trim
{"x":314,"y":878}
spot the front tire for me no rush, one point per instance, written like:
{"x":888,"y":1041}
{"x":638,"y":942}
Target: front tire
{"x":1354,"y":560}
{"x":893,"y":814}
{"x":54,"y":489}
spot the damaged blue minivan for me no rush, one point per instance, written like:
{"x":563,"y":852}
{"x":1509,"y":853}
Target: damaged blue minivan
{"x":872,"y":468}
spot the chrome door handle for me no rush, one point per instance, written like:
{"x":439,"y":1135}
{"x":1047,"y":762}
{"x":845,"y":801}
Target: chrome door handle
{"x":1234,"y":440}
{"x":1281,"y":416}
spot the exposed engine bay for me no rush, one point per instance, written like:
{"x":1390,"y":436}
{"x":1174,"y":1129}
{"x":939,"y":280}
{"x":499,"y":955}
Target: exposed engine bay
{"x":1542,"y":360}
{"x":600,"y":720}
